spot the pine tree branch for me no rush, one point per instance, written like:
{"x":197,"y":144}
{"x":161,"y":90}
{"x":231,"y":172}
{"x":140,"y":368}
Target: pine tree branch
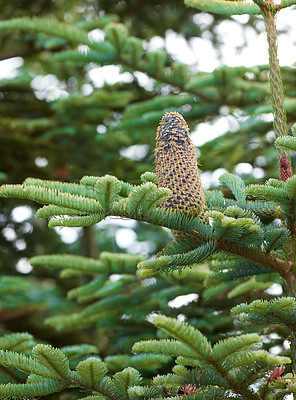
{"x":287,"y":3}
{"x":224,"y":7}
{"x":159,"y":72}
{"x":162,"y":75}
{"x":236,"y":387}
{"x":261,"y":257}
{"x":164,"y":78}
{"x":269,"y":11}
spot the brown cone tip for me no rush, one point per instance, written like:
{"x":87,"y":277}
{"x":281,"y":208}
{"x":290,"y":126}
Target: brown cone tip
{"x":285,"y":169}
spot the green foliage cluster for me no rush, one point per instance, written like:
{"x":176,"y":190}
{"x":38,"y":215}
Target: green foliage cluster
{"x":106,"y":327}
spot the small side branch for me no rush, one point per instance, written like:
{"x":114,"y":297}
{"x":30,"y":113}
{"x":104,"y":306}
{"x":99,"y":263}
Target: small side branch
{"x":269,"y":11}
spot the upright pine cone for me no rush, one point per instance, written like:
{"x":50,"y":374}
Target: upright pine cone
{"x":285,"y":169}
{"x":177,"y":168}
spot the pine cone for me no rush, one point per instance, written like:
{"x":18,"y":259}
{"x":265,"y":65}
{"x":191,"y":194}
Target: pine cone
{"x":177,"y":168}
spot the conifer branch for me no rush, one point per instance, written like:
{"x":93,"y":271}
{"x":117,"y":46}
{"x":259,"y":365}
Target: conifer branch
{"x":169,"y":263}
{"x":29,"y":390}
{"x":130,"y":53}
{"x":287,"y":3}
{"x":107,"y":262}
{"x":286,"y":142}
{"x":25,"y":364}
{"x":259,"y":208}
{"x":218,"y":363}
{"x":224,"y":6}
{"x":282,"y":193}
{"x":269,"y":10}
{"x":261,"y":257}
{"x":279,"y":310}
{"x":49,"y":26}
{"x":50,"y":373}
{"x":142,"y":205}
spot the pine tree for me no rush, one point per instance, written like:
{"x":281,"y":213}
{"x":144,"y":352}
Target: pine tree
{"x":228,"y":246}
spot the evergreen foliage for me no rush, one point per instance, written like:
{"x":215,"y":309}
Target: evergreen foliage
{"x":112,"y":313}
